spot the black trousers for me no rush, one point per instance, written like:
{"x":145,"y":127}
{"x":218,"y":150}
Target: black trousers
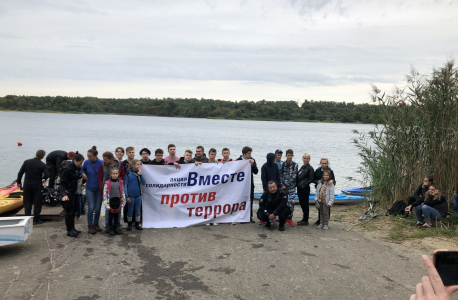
{"x":70,"y":209}
{"x":251,"y":200}
{"x":33,"y":194}
{"x":304,"y":194}
{"x":282,"y":216}
{"x":113,"y":217}
{"x":411,"y":201}
{"x":52,"y":170}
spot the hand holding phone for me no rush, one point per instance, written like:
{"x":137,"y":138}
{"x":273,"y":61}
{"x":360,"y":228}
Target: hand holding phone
{"x":446,"y":263}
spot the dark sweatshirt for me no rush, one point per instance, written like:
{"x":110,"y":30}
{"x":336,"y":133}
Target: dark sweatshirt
{"x":319,"y":174}
{"x":269,"y":171}
{"x":305,"y":176}
{"x":56,"y":158}
{"x":254,"y":169}
{"x":441,"y":204}
{"x":273,"y":203}
{"x":35,"y":171}
{"x":69,"y":179}
{"x":420,"y":192}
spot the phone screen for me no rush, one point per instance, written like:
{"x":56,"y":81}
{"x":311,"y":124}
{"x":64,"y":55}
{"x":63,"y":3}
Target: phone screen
{"x":446,"y":263}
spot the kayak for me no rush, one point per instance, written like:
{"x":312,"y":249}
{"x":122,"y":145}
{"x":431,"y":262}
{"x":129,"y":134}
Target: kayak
{"x":338,"y":199}
{"x":15,"y":229}
{"x":10,"y":202}
{"x":5,"y":191}
{"x":358,"y":191}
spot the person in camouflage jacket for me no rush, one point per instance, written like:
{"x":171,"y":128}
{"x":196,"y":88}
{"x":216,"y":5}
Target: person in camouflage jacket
{"x":288,"y":174}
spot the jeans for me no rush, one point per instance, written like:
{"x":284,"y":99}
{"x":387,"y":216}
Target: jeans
{"x":455,"y":203}
{"x":78,"y":206}
{"x":428,"y":212}
{"x":134,"y":205}
{"x":304,"y":195}
{"x":94,"y":203}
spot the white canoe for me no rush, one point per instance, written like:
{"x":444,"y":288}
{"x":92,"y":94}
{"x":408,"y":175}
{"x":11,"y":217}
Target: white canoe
{"x":15,"y":229}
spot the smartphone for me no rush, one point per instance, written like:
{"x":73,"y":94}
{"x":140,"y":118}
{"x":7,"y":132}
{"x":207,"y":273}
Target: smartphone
{"x":446,"y":263}
{"x":407,"y":209}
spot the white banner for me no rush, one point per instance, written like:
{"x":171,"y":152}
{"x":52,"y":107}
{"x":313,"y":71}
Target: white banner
{"x":194,"y":195}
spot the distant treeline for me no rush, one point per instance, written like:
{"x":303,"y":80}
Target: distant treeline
{"x":308,"y":110}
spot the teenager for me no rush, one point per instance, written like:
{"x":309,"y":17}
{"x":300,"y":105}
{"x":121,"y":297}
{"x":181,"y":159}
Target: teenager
{"x":54,"y":163}
{"x":185,"y":159}
{"x":421,"y":191}
{"x":226,"y":155}
{"x":68,"y":188}
{"x":119,"y":153}
{"x":324,"y":195}
{"x":172,"y":154}
{"x":200,"y":156}
{"x":132,"y":186}
{"x":35,"y":172}
{"x":273,"y":203}
{"x":246,"y":155}
{"x":212,"y":156}
{"x":159,"y":153}
{"x":288,"y":175}
{"x":94,"y":199}
{"x":130,"y":152}
{"x":305,"y":176}
{"x":324,"y":165}
{"x":145,"y":154}
{"x":278,"y":156}
{"x":433,"y":207}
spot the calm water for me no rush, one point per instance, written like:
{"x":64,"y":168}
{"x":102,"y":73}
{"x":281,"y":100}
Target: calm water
{"x":80,"y":132}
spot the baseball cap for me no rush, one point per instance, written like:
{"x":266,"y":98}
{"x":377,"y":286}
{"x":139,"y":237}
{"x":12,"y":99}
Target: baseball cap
{"x":71,"y":153}
{"x":278,"y":151}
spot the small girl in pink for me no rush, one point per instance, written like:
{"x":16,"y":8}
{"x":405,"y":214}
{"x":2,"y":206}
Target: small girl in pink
{"x":114,"y":199}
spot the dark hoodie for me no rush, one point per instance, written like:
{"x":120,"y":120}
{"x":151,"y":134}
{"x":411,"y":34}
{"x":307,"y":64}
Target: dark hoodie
{"x":181,"y":161}
{"x":203,"y":159}
{"x":269,"y":171}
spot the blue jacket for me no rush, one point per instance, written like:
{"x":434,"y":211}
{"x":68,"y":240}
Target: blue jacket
{"x":90,"y":168}
{"x":131,"y":186}
{"x":269,"y":171}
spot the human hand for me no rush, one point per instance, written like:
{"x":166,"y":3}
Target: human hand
{"x":330,"y":182}
{"x":283,"y":187}
{"x":251,"y":161}
{"x":128,"y":200}
{"x":140,"y":171}
{"x":431,"y":287}
{"x":65,"y":198}
{"x":271,"y":216}
{"x":196,"y":163}
{"x":177,"y":165}
{"x":84,"y":176}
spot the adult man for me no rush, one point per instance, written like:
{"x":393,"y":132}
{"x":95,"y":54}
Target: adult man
{"x":200,"y":156}
{"x":278,"y":155}
{"x":145,"y":154}
{"x":246,"y":155}
{"x":54,"y":163}
{"x":420,"y":191}
{"x":269,"y":172}
{"x":35,"y":171}
{"x":288,"y":174}
{"x":324,"y":163}
{"x":172,"y":151}
{"x":273,"y":203}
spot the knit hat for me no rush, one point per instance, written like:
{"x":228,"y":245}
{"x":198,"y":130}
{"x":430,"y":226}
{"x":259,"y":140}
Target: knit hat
{"x":71,"y":153}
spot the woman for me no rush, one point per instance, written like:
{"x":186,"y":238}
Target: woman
{"x":68,"y":186}
{"x":305,"y":177}
{"x":435,"y":207}
{"x":93,"y":197}
{"x":103,"y":174}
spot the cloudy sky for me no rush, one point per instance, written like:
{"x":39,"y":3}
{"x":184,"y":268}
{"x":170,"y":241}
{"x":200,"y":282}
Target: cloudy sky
{"x":232,"y":50}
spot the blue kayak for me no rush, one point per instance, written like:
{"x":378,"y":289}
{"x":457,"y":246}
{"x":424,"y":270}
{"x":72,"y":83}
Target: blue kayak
{"x":338,"y":199}
{"x":364,"y":191}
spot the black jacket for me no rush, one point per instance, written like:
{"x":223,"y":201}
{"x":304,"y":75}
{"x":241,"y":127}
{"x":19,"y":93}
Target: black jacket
{"x":161,"y":163}
{"x":69,"y":179}
{"x":182,"y":162}
{"x":35,"y":171}
{"x":441,"y":205}
{"x":319,"y":174}
{"x":420,"y":193}
{"x":204,"y":159}
{"x":273,"y":203}
{"x":56,"y":158}
{"x":305,"y":176}
{"x":254,"y":169}
{"x":269,"y":171}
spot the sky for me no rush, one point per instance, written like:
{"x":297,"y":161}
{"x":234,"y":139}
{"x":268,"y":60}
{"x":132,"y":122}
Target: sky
{"x":230,"y":50}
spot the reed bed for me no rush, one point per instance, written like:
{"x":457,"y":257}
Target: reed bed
{"x":417,"y":137}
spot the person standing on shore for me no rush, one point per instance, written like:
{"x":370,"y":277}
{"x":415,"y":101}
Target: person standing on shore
{"x":68,"y":188}
{"x":226,"y":155}
{"x":89,"y":172}
{"x":324,"y":163}
{"x":288,"y":175}
{"x":278,"y":156}
{"x":158,"y":154}
{"x":119,"y":152}
{"x":114,"y":199}
{"x":172,"y":151}
{"x":200,"y":156}
{"x":185,"y":159}
{"x":305,"y":177}
{"x":35,"y":172}
{"x":132,"y":187}
{"x":145,"y":153}
{"x":130,"y":152}
{"x":54,"y":163}
{"x":246,"y":155}
{"x":212,"y":156}
{"x":324,"y":195}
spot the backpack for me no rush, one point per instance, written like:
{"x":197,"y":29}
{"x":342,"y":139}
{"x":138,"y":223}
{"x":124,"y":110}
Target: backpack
{"x":398,"y":208}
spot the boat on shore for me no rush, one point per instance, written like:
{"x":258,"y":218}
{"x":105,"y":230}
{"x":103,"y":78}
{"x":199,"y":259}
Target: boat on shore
{"x":5,"y":191}
{"x":15,"y":229}
{"x":338,"y":199}
{"x":364,"y":191}
{"x":10,"y":202}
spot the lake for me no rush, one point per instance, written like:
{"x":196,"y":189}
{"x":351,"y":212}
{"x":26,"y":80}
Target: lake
{"x":77,"y":132}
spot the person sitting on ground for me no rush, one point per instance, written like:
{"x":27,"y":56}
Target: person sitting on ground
{"x":420,"y":192}
{"x":288,"y":174}
{"x":172,"y":157}
{"x":434,"y":207}
{"x":269,"y":172}
{"x":324,"y":165}
{"x":159,"y":160}
{"x":324,"y":195}
{"x":200,"y":156}
{"x":212,"y":156}
{"x":54,"y":163}
{"x":132,"y":187}
{"x":273,"y":203}
{"x":455,"y":203}
{"x":185,"y":159}
{"x":226,"y":155}
{"x":114,"y":199}
{"x":145,"y":154}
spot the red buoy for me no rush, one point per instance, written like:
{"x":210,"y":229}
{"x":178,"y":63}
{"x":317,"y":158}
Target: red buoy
{"x":19,"y":143}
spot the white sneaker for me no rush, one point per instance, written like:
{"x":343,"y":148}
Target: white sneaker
{"x":233,"y":223}
{"x":319,"y":226}
{"x":215,"y":224}
{"x":325,"y":227}
{"x":208,"y":224}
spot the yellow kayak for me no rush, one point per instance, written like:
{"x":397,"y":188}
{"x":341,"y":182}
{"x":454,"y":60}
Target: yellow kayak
{"x":10,"y":202}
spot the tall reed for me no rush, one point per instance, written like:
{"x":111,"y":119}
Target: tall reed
{"x":417,"y":137}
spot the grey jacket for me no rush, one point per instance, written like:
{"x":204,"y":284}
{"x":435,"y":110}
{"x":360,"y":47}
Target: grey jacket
{"x":329,"y":194}
{"x":288,"y":174}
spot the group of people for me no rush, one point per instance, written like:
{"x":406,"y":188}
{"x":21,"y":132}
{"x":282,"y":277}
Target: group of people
{"x":117,"y":183}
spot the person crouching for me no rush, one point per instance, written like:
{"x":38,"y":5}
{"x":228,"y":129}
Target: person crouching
{"x":114,"y":199}
{"x":273,"y":203}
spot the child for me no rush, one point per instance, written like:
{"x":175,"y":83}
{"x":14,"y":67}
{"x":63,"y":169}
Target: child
{"x":114,"y":199}
{"x":212,"y":156}
{"x":132,"y":187}
{"x":325,"y":196}
{"x":226,"y":155}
